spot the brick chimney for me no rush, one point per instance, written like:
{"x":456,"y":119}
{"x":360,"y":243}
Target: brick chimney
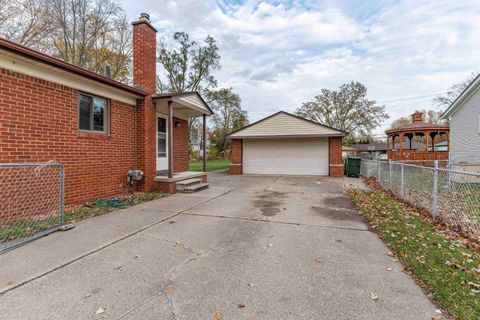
{"x":144,"y":76}
{"x":417,"y":117}
{"x":144,"y":54}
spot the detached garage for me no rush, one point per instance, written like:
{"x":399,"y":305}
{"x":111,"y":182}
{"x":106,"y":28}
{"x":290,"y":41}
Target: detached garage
{"x":287,"y":144}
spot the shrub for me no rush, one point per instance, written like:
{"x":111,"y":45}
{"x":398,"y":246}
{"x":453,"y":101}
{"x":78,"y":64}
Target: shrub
{"x":213,"y":153}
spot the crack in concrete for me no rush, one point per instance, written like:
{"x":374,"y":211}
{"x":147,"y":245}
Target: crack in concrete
{"x":109,"y":244}
{"x":171,"y":280}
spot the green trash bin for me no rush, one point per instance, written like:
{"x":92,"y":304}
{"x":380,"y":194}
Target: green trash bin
{"x":353,"y":167}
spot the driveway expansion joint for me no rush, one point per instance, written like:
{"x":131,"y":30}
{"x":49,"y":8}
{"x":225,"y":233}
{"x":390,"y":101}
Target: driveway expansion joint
{"x":274,"y":222}
{"x":109,"y":244}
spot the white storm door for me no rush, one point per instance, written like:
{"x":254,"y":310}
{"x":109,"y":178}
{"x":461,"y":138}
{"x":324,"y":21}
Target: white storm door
{"x":162,"y":143}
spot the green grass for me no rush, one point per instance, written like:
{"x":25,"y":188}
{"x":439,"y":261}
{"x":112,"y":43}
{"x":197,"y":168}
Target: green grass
{"x":449,"y":270}
{"x":211,"y":165}
{"x":21,"y":228}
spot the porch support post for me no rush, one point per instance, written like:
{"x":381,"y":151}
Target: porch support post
{"x":401,"y":147}
{"x":427,"y":140}
{"x":170,"y":138}
{"x":204,"y":143}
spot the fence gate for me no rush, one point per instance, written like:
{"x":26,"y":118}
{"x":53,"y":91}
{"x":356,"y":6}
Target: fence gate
{"x":31,"y":201}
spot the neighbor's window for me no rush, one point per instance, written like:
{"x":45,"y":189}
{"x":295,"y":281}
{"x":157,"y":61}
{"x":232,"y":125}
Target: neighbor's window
{"x":92,"y":113}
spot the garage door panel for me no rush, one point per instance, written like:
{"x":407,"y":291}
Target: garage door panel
{"x":286,"y":156}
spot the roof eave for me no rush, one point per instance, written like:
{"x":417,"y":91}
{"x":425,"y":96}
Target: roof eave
{"x":43,"y":58}
{"x":340,"y":132}
{"x":286,"y":136}
{"x":172,"y":96}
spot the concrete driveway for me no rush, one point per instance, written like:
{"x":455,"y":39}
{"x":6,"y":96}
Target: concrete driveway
{"x":249,"y":247}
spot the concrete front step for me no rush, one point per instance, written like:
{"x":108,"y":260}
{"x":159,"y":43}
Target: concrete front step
{"x":193,"y":187}
{"x":186,"y":183}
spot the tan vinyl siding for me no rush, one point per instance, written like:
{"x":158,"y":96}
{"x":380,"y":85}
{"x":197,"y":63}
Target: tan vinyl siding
{"x":284,"y":125}
{"x":465,"y":131}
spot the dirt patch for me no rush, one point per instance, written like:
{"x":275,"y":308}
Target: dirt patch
{"x":339,"y":202}
{"x":337,"y":214}
{"x":269,"y":211}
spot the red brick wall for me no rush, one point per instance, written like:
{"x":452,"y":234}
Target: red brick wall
{"x":38,"y":122}
{"x":144,"y":75}
{"x":236,"y":166}
{"x":144,"y":57}
{"x":180,"y":145}
{"x":335,"y":156}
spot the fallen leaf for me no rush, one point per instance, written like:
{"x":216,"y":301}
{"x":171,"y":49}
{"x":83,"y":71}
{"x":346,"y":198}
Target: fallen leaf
{"x":171,"y":221}
{"x":100,"y":311}
{"x":240,"y":306}
{"x":10,"y":283}
{"x":169,"y":289}
{"x":390,"y":254}
{"x":437,"y":318}
{"x":250,"y":284}
{"x":373,"y":296}
{"x":317,"y":258}
{"x":218,"y":316}
{"x":389,"y":269}
{"x":269,"y":245}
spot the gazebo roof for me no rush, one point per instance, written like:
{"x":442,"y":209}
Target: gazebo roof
{"x":419,"y":125}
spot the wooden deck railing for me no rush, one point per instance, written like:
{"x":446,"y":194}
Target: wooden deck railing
{"x":396,"y":155}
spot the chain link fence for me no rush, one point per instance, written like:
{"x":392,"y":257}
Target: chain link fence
{"x":451,"y":196}
{"x":31,"y":202}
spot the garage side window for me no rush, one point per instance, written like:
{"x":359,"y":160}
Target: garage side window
{"x":92,"y":113}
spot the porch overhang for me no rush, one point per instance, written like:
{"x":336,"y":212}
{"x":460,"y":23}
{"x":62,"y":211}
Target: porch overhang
{"x":185,"y":105}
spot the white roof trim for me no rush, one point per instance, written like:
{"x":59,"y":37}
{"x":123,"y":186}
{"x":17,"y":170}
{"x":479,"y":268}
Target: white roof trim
{"x":285,"y":125}
{"x":191,"y":100}
{"x":465,"y":95}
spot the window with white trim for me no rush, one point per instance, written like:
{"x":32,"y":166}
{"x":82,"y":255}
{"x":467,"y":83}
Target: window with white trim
{"x":92,"y":113}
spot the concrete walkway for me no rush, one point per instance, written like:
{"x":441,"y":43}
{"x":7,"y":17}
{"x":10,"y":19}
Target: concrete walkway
{"x":247,"y":248}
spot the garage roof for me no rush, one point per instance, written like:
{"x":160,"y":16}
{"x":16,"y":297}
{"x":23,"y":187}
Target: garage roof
{"x":285,"y":125}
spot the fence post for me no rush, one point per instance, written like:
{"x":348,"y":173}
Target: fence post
{"x":62,"y":194}
{"x":435,"y":191}
{"x":390,"y":174}
{"x":368,"y":164}
{"x":402,"y":190}
{"x":379,"y":169}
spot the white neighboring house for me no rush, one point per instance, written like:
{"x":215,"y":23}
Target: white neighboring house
{"x":464,"y":117}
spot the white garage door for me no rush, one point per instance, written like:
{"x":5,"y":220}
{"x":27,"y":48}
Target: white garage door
{"x":286,"y":156}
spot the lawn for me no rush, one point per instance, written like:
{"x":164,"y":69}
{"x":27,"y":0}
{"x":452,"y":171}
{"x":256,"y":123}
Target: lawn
{"x":211,"y":165}
{"x":441,"y":264}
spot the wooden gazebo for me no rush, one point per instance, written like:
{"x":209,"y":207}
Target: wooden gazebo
{"x":398,"y":150}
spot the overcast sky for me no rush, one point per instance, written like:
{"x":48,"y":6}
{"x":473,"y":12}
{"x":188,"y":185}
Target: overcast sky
{"x":278,"y":54}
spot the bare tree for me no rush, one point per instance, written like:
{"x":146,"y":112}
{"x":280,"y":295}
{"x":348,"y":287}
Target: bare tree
{"x":27,"y":22}
{"x":445,"y":100}
{"x":188,"y":66}
{"x":347,"y":109}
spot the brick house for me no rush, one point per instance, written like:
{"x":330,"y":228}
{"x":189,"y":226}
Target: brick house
{"x":284,"y":143}
{"x":96,"y":127}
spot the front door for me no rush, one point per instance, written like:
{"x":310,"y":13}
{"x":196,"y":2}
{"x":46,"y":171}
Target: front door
{"x":162,"y":160}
